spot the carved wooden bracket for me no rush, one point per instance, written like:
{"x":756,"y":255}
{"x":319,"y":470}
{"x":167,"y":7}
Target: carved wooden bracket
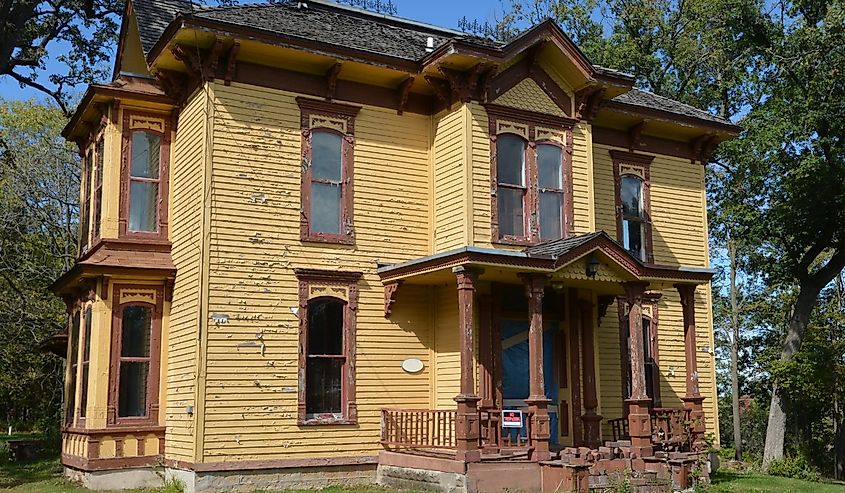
{"x":331,"y":80}
{"x":211,"y":61}
{"x":441,"y":89}
{"x":191,"y":57}
{"x":390,"y":291}
{"x":588,"y":102}
{"x":168,"y":288}
{"x":634,"y":133}
{"x":457,"y":85}
{"x":604,"y":303}
{"x":702,"y":147}
{"x":106,"y":287}
{"x":404,"y":90}
{"x":174,"y":84}
{"x":232,"y":58}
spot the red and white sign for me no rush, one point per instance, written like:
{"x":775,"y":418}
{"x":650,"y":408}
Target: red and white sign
{"x":511,"y":418}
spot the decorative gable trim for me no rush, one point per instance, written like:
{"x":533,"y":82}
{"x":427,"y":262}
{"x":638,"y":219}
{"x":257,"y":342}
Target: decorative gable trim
{"x":529,"y":68}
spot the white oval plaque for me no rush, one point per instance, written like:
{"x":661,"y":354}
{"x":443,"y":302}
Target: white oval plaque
{"x":412,"y":365}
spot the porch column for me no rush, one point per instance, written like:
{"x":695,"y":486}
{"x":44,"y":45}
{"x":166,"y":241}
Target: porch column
{"x":591,"y":420}
{"x":692,"y":400}
{"x":639,"y":420}
{"x":466,"y":423}
{"x":538,"y":404}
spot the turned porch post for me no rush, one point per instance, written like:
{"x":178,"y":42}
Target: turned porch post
{"x":466,"y":423}
{"x":693,"y":401}
{"x":591,"y":420}
{"x":538,"y":403}
{"x":639,"y":420}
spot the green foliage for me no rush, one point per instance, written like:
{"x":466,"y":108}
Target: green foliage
{"x":39,"y":184}
{"x":795,"y":467}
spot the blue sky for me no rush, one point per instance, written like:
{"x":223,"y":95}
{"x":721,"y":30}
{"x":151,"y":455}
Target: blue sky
{"x":438,"y":12}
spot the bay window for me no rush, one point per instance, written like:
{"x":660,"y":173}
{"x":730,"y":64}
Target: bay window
{"x":145,"y":159}
{"x":86,"y":358}
{"x":99,"y":160}
{"x":531,"y":176}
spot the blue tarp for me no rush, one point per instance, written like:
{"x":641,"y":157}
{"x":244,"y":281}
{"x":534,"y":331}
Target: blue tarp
{"x":515,"y":373}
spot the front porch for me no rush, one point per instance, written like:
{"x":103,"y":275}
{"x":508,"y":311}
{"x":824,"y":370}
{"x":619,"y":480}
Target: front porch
{"x":561,"y":442}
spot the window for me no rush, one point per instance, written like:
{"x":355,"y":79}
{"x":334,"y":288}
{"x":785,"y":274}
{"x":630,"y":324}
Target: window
{"x":328,"y":133}
{"x":531,"y":176}
{"x":328,"y":302}
{"x":86,"y":357}
{"x":144,"y":181}
{"x":144,"y":171}
{"x":73,"y":358}
{"x":633,"y":203}
{"x":98,"y":186}
{"x":85,"y":204}
{"x":136,"y":329}
{"x":550,"y":183}
{"x":650,"y":353}
{"x":510,"y":172}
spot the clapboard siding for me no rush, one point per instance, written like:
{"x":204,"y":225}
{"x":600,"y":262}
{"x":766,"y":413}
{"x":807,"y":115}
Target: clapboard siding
{"x":254,"y":247}
{"x":186,"y":210}
{"x":447,"y":347}
{"x":481,"y":184}
{"x":449,"y":150}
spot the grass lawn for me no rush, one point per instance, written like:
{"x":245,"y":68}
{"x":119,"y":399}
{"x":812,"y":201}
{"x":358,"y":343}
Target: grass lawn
{"x":727,"y":482}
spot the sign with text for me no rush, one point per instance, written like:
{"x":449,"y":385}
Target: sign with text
{"x":511,"y":418}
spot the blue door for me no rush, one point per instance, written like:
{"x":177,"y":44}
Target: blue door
{"x":515,"y":370}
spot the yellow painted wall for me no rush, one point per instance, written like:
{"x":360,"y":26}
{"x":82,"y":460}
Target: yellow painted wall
{"x":254,"y":246}
{"x":187,"y":175}
{"x":446,"y":348}
{"x":449,"y":154}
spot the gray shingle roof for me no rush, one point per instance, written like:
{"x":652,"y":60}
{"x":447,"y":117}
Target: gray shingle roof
{"x":560,"y":247}
{"x":154,"y":16}
{"x":645,"y":99}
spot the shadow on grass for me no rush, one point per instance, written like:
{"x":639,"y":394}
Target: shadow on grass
{"x":17,"y":473}
{"x":755,"y":482}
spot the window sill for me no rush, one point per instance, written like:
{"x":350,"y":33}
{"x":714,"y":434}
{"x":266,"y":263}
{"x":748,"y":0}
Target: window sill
{"x":329,"y":239}
{"x":327,"y":421}
{"x":515,"y":241}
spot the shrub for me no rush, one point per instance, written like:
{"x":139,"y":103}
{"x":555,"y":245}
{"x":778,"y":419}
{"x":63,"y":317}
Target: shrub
{"x":795,"y":467}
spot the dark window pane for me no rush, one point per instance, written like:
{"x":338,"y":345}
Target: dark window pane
{"x":85,"y":207}
{"x":137,"y":326}
{"x":323,"y":377}
{"x":74,"y":337}
{"x":632,"y":238}
{"x":510,"y":209}
{"x":510,"y":159}
{"x":325,"y":327}
{"x":550,"y":223}
{"x":98,"y":191}
{"x":83,"y":398}
{"x":325,"y":208}
{"x":146,"y":153}
{"x":132,"y":396}
{"x":86,"y":351}
{"x":647,"y":339}
{"x":326,"y":156}
{"x":143,"y":206}
{"x":549,"y":166}
{"x":632,"y":200}
{"x":74,"y":347}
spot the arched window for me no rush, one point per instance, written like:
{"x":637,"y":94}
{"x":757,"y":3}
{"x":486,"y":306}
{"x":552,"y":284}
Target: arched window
{"x":326,"y":172}
{"x":326,"y":359}
{"x":133,"y":370}
{"x":144,"y":181}
{"x":550,"y":187}
{"x":633,"y":215}
{"x":511,"y":181}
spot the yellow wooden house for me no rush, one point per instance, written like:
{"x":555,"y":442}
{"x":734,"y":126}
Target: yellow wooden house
{"x":320,"y":245}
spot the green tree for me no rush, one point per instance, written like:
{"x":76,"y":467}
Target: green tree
{"x":39,"y":185}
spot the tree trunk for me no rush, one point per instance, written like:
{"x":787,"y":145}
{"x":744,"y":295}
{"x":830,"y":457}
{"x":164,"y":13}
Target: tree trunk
{"x":808,"y":292}
{"x":734,"y":352}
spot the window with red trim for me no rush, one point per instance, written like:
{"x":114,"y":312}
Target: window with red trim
{"x":512,"y":186}
{"x":650,"y":353}
{"x":98,"y":186}
{"x":85,"y":207}
{"x":86,"y":358}
{"x":73,"y":361}
{"x":328,"y":142}
{"x":632,"y":176}
{"x":144,"y":181}
{"x":550,"y":190}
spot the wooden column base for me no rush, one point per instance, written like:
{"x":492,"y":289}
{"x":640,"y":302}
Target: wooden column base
{"x":639,"y":427}
{"x":592,"y":429}
{"x":698,"y":428}
{"x":538,"y":406}
{"x":467,"y":428}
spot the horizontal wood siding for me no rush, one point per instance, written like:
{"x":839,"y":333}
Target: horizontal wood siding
{"x":449,"y":152}
{"x":481,"y":184}
{"x":186,"y":209}
{"x":252,"y":348}
{"x":447,"y":348}
{"x":582,"y":203}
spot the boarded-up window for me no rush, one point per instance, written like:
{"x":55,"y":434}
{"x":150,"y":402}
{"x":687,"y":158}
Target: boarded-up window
{"x":326,"y":359}
{"x":511,"y":192}
{"x":144,"y":173}
{"x":633,"y":217}
{"x":550,"y":188}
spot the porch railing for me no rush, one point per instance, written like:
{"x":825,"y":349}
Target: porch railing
{"x":418,"y":428}
{"x":670,"y":427}
{"x":493,"y":436}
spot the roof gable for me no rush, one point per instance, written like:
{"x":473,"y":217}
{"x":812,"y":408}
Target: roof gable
{"x":528,"y":95}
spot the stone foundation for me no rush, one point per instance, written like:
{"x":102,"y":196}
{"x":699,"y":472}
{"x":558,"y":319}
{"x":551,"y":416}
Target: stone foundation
{"x":409,"y":478}
{"x":117,"y":479}
{"x":247,"y":481}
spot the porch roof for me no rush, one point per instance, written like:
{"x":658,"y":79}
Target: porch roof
{"x":551,"y":257}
